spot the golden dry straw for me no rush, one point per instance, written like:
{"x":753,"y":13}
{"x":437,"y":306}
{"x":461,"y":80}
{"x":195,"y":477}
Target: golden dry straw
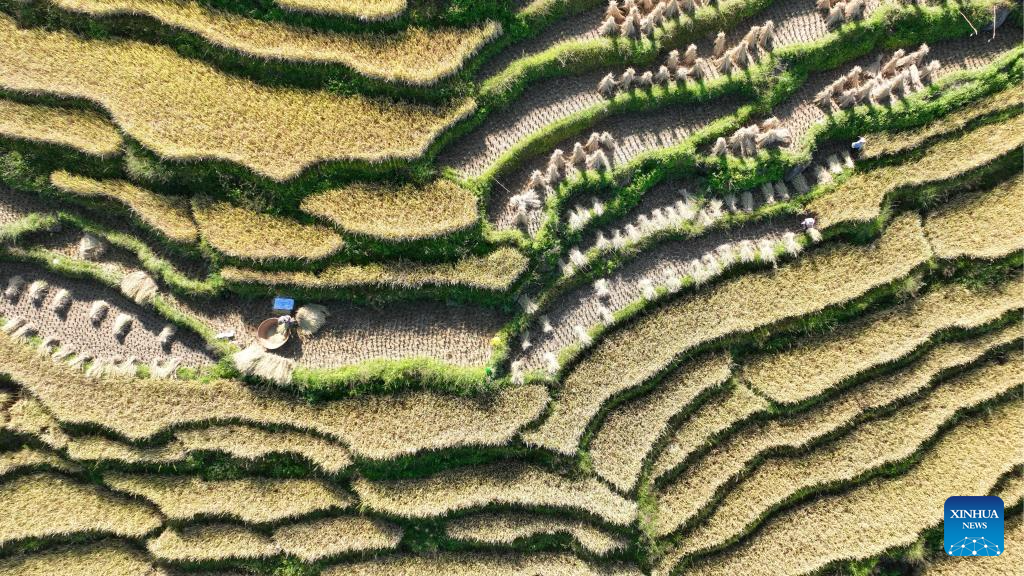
{"x":240,"y":441}
{"x":255,"y":500}
{"x":621,"y":445}
{"x":505,"y":528}
{"x":373,"y":427}
{"x":362,"y":9}
{"x":47,"y":505}
{"x":169,"y":215}
{"x":980,"y":225}
{"x":872,"y":445}
{"x":397,"y":212}
{"x":414,"y":55}
{"x":495,"y":271}
{"x":628,"y":357}
{"x":309,"y":541}
{"x":82,"y":130}
{"x":210,"y":542}
{"x":680,"y":500}
{"x":808,"y":538}
{"x":30,"y":458}
{"x":891,"y":143}
{"x":108,"y":558}
{"x":816,"y":364}
{"x":860,"y":198}
{"x":505,"y":484}
{"x":28,"y":416}
{"x":710,"y":420}
{"x":328,"y":537}
{"x":185,"y":110}
{"x":481,"y":564}
{"x":244,"y":233}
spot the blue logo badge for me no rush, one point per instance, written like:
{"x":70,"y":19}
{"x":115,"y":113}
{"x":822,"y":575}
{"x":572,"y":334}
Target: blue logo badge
{"x":973,"y":526}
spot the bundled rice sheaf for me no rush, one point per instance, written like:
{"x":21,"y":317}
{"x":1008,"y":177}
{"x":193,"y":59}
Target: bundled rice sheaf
{"x":91,"y":247}
{"x":139,"y":287}
{"x":311,"y":318}
{"x":37,"y":291}
{"x":255,"y":361}
{"x":14,"y":287}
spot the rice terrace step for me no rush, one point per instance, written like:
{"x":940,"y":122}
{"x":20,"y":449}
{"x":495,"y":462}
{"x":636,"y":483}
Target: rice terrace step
{"x":522,"y":288}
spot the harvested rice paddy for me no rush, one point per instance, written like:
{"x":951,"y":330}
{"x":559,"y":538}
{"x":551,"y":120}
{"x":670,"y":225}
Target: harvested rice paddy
{"x":324,"y":288}
{"x":414,"y":56}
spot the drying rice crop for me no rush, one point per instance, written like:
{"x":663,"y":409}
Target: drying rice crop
{"x":215,"y":542}
{"x":361,"y":9}
{"x":206,"y":114}
{"x":168,"y":214}
{"x":979,"y":225}
{"x":46,"y":505}
{"x":622,"y":443}
{"x":413,"y":56}
{"x":505,"y":528}
{"x":888,"y":144}
{"x":397,"y":213}
{"x":717,"y":416}
{"x":239,"y":441}
{"x":27,"y":457}
{"x":630,"y":356}
{"x":249,"y":499}
{"x":818,"y":363}
{"x":109,"y":558}
{"x":504,"y":484}
{"x":495,"y":271}
{"x":480,"y":564}
{"x":28,"y":416}
{"x":808,"y":538}
{"x":244,"y":233}
{"x":1006,"y":564}
{"x":874,"y":444}
{"x":859,"y":199}
{"x":328,"y":537}
{"x":373,"y":427}
{"x":309,"y":541}
{"x":681,"y":500}
{"x":80,"y":129}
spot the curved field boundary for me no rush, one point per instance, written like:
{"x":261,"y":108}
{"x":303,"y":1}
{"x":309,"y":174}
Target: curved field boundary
{"x":168,"y":215}
{"x":621,"y":445}
{"x":83,"y":130}
{"x":48,"y":506}
{"x":827,"y":278}
{"x":368,"y":10}
{"x":414,"y":56}
{"x":893,"y":143}
{"x":397,"y":213}
{"x":205,"y":114}
{"x":481,"y":564}
{"x":253,"y":500}
{"x":710,"y":421}
{"x":496,"y":272}
{"x":511,"y":528}
{"x":681,"y":501}
{"x":860,"y":198}
{"x":110,"y":558}
{"x":504,"y":484}
{"x":868,"y":448}
{"x":817,"y":534}
{"x":26,"y":458}
{"x":239,"y":441}
{"x":309,"y":541}
{"x":817,"y":364}
{"x":242,"y":233}
{"x":979,"y":225}
{"x":376,"y":428}
{"x":28,"y":416}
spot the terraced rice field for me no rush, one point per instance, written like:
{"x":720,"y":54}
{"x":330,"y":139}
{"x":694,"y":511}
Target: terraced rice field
{"x":305,"y":287}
